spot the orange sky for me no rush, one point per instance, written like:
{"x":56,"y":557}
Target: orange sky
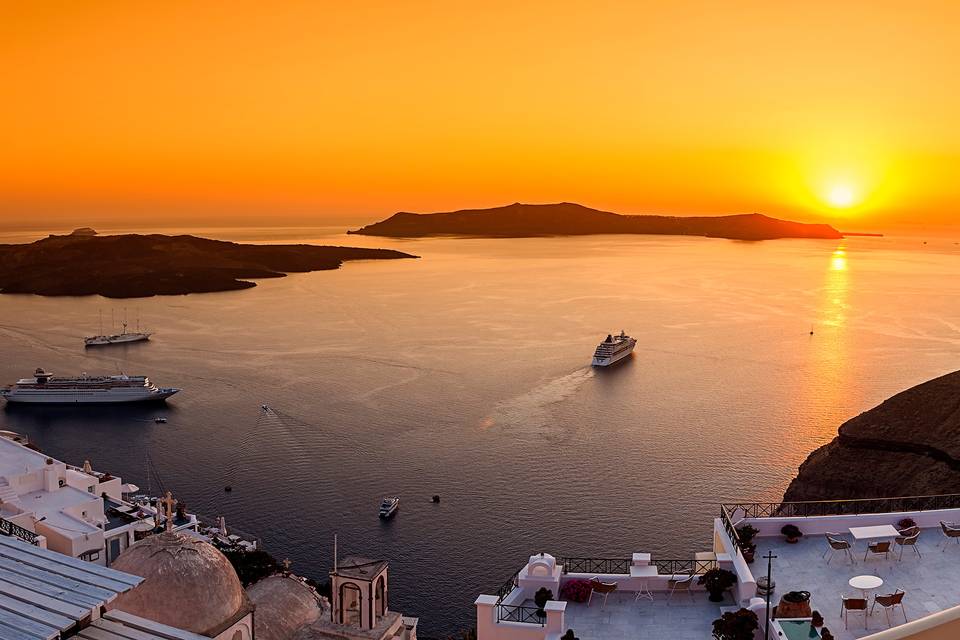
{"x":313,"y":111}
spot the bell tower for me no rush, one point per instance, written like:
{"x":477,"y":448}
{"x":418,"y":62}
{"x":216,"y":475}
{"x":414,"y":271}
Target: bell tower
{"x":358,"y":589}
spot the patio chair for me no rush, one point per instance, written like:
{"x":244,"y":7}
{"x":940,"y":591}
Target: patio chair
{"x":834,"y":544}
{"x":950,"y":530}
{"x":909,"y":531}
{"x":890,"y":602}
{"x":680,"y":584}
{"x":908,"y":541}
{"x":857,"y":605}
{"x":603,"y":588}
{"x":877,"y":548}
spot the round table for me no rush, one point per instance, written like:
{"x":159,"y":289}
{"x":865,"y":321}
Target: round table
{"x":866,"y":583}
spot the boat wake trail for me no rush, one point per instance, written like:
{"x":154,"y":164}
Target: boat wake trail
{"x":531,"y":410}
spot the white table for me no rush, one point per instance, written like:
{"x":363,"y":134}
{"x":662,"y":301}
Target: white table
{"x":865,"y":584}
{"x":644,"y":572}
{"x":872,"y":533}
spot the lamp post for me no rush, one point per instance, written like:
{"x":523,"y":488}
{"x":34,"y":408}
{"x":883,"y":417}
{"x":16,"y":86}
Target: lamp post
{"x":769,"y":557}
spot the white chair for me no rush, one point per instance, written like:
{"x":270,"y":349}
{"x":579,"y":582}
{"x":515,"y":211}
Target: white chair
{"x":950,"y":532}
{"x":680,"y":584}
{"x":835,"y":544}
{"x":908,"y":541}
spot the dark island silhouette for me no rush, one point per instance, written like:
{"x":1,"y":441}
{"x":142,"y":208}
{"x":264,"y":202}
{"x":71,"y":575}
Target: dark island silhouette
{"x":907,"y":446}
{"x":133,"y":266}
{"x":569,"y":219}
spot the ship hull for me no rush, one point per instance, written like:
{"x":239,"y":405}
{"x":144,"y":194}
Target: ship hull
{"x":85,"y":396}
{"x":101,"y":341}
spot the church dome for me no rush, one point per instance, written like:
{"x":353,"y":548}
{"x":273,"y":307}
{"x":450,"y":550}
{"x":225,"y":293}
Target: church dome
{"x":284,"y":605}
{"x":187,"y":584}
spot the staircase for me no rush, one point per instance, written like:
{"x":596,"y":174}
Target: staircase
{"x":8,"y":496}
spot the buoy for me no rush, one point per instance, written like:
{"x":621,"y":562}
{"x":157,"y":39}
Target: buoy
{"x":228,"y":488}
{"x":436,"y":499}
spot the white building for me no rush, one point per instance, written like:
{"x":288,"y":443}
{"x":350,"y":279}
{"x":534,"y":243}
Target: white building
{"x":662,"y":598}
{"x":75,"y":511}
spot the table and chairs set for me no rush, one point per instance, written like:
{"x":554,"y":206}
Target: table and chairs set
{"x":881,"y":541}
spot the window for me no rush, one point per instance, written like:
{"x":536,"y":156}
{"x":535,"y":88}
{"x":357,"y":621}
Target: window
{"x":90,"y":489}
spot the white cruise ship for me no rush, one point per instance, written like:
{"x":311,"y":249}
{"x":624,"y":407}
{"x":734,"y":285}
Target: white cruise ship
{"x":613,"y":349}
{"x":45,"y":388}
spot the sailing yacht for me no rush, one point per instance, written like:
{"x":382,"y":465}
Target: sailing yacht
{"x":120,"y":338}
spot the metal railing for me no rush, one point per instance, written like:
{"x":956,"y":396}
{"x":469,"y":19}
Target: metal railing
{"x":595,"y":565}
{"x":727,"y":518}
{"x":519,"y":613}
{"x":859,"y":506}
{"x":7,"y":528}
{"x":507,"y":587}
{"x":684,"y":567}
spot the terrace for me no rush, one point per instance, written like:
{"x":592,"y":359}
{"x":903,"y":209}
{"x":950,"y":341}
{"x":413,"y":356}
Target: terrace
{"x":928,"y":576}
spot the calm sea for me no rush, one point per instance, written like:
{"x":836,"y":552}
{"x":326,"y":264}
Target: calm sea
{"x":465,"y":374}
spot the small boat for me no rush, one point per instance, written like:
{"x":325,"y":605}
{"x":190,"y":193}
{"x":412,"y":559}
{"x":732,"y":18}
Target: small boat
{"x":389,"y":507}
{"x":160,"y":420}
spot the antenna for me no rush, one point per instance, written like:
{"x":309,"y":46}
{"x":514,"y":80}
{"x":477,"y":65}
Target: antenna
{"x":334,"y":554}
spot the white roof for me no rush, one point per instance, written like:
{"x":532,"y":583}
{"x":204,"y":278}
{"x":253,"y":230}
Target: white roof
{"x":50,"y":505}
{"x":16,"y":459}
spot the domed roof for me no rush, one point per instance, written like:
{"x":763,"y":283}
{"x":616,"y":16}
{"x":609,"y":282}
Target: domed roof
{"x":187,"y":584}
{"x":284,"y":605}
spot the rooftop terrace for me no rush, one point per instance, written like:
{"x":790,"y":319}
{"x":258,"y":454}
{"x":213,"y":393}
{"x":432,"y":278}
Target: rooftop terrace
{"x":929,"y":576}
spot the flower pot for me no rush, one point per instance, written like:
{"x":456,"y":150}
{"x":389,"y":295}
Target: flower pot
{"x":793,"y":540}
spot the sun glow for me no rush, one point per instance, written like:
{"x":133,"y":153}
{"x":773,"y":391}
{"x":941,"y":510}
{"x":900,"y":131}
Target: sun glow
{"x":841,"y":196}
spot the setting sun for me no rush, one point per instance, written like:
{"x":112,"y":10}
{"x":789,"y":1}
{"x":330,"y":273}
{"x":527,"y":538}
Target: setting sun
{"x":841,"y":196}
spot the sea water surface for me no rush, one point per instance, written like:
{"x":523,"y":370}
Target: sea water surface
{"x":465,"y":374}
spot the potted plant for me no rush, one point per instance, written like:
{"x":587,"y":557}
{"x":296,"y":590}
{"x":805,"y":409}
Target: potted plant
{"x":816,"y":619}
{"x":576,"y":591}
{"x":906,"y":523}
{"x":541,"y":597}
{"x":792,"y":533}
{"x":716,"y":581}
{"x":745,"y":536}
{"x":741,"y":625}
{"x":569,"y":635}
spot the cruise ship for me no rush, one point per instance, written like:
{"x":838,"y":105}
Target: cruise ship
{"x":45,"y":388}
{"x":613,"y":349}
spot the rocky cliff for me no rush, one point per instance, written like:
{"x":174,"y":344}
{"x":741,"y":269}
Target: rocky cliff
{"x":909,"y":445}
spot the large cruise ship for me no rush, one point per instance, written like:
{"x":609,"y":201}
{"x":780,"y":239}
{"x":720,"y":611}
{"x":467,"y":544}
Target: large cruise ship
{"x":613,"y":349}
{"x":45,"y":388}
